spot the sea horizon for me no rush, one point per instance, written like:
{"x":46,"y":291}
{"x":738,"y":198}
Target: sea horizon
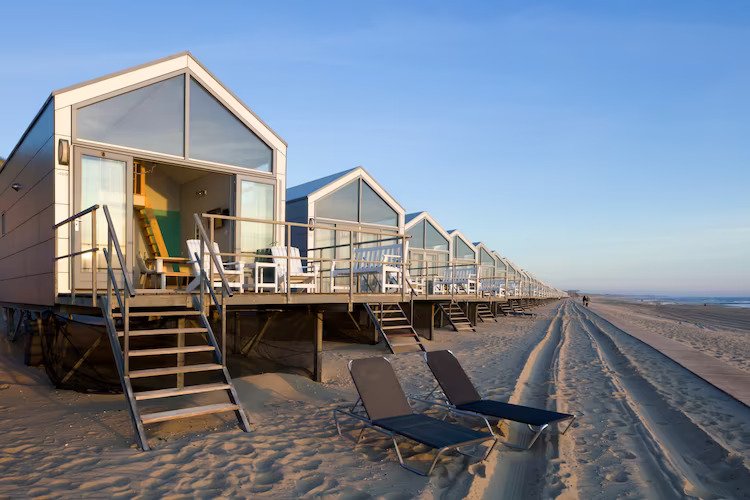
{"x":734,"y":301}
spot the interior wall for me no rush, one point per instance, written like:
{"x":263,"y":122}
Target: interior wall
{"x":218,"y":194}
{"x":163,"y":196}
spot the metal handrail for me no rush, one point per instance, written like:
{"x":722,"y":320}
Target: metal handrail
{"x":111,"y":233}
{"x":71,"y":256}
{"x":214,"y":256}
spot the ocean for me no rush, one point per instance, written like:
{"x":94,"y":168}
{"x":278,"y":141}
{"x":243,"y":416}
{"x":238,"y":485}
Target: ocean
{"x":743,"y":302}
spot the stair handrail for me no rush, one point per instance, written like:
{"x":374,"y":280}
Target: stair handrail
{"x":113,"y":241}
{"x":214,"y":256}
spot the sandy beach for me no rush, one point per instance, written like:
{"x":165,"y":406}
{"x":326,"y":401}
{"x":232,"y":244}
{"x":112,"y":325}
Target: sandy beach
{"x":646,"y":426}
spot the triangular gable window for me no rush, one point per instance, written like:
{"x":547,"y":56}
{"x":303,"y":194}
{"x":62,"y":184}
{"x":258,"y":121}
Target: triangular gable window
{"x":433,"y":239}
{"x":216,"y":135}
{"x":151,"y":118}
{"x":417,"y":235}
{"x":375,"y":210}
{"x":462,"y":250}
{"x":342,"y":204}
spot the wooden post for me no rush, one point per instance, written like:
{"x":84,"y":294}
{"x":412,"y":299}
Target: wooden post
{"x":181,"y":356}
{"x":318,"y":360}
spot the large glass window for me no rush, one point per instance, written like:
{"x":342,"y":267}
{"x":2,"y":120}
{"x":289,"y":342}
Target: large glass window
{"x":217,"y":135}
{"x":485,"y":257}
{"x":151,"y":118}
{"x":462,"y":250}
{"x":342,"y":204}
{"x":375,"y":210}
{"x":356,"y":202}
{"x":433,"y":240}
{"x":256,"y":202}
{"x":417,"y":235}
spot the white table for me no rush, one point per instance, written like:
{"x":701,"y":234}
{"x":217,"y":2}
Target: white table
{"x":259,"y":284}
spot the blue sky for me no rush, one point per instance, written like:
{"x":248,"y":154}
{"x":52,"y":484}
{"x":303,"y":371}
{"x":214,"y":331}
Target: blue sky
{"x":601,"y":145}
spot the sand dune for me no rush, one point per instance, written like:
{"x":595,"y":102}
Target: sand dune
{"x":646,"y":428}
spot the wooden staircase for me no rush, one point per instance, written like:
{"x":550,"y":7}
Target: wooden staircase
{"x":151,"y":232}
{"x":518,"y":309}
{"x":394,"y":326}
{"x":456,"y":316}
{"x":484,"y":313}
{"x":155,"y":351}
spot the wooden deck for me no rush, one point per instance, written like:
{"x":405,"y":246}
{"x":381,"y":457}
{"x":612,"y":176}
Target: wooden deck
{"x":178,"y":298}
{"x":726,"y":378}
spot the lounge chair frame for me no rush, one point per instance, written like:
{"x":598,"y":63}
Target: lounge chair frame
{"x":357,"y":412}
{"x":452,"y":409}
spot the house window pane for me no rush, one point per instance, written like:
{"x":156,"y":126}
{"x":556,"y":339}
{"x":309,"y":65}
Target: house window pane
{"x":462,"y":250}
{"x":433,"y":239}
{"x":375,"y":210}
{"x":342,"y":204}
{"x":417,"y":235}
{"x":486,"y":258}
{"x":256,"y":202}
{"x":217,"y":135}
{"x":151,"y":118}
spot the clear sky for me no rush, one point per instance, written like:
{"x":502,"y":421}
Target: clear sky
{"x":601,"y":145}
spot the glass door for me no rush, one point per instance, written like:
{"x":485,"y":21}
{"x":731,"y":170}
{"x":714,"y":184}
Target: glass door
{"x":255,"y":200}
{"x":102,"y":178}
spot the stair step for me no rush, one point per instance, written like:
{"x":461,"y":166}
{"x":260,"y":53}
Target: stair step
{"x":409,"y":333}
{"x":171,"y":350}
{"x":162,"y":331}
{"x":149,"y":418}
{"x":145,"y":314}
{"x":402,"y":318}
{"x":190,"y":389}
{"x":403,"y":344}
{"x":395,"y":327}
{"x":173,"y":370}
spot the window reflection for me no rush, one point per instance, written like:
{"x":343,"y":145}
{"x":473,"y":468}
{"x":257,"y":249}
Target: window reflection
{"x":151,"y":118}
{"x":217,"y":135}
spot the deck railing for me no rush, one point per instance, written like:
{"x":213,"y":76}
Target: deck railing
{"x":73,"y":221}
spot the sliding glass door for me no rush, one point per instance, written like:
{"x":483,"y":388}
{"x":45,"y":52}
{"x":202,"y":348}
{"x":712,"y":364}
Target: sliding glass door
{"x":102,"y":179}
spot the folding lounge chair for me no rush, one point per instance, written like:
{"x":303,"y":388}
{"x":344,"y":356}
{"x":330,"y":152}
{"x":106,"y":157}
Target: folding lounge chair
{"x":387,"y":411}
{"x":463,"y":398}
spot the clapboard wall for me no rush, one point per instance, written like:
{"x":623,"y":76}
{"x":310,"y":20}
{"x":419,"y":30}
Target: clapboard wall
{"x":27,"y":246}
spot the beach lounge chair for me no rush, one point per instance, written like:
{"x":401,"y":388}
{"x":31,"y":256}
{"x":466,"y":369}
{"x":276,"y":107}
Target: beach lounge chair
{"x":300,"y":277}
{"x":387,"y":411}
{"x":234,"y":271}
{"x":463,"y":398}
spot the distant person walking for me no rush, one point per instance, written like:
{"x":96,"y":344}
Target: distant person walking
{"x":585,"y":301}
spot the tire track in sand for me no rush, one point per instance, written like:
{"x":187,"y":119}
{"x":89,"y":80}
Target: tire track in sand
{"x":608,"y":453}
{"x":702,"y":465}
{"x":517,"y":473}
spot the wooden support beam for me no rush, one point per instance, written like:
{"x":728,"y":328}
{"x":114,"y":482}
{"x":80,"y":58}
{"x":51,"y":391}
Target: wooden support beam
{"x":318,"y":360}
{"x":83,"y":358}
{"x":254,"y":340}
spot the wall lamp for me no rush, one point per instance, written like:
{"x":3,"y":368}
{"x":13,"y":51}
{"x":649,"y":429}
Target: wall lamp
{"x":63,"y":152}
{"x":16,"y":186}
{"x":201,"y":193}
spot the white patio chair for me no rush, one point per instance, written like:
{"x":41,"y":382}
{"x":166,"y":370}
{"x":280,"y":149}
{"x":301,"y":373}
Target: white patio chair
{"x":234,"y":271}
{"x":300,"y":277}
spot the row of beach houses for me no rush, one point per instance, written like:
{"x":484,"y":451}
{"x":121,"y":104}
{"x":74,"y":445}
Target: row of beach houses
{"x":146,"y":228}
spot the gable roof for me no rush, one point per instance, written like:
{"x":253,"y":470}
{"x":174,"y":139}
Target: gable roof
{"x":306,"y":189}
{"x":315,"y":189}
{"x":415,"y":217}
{"x":142,"y":73}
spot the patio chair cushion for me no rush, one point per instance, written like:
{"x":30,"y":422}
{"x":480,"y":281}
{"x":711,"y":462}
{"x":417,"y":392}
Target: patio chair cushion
{"x":430,"y":431}
{"x":516,"y":413}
